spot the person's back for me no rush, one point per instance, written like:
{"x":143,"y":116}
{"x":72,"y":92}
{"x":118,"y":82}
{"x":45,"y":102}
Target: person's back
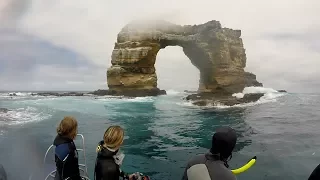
{"x":214,"y":164}
{"x":207,"y":167}
{"x":106,"y":168}
{"x":109,"y":158}
{"x":66,"y":155}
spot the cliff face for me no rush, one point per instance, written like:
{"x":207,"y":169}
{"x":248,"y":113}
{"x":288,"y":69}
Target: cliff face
{"x":217,"y":52}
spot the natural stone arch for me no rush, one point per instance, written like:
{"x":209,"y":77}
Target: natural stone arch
{"x":217,"y":52}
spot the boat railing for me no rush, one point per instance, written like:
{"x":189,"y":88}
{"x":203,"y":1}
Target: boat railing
{"x":82,"y":167}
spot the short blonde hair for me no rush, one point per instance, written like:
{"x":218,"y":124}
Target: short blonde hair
{"x":68,"y":127}
{"x":113,"y":137}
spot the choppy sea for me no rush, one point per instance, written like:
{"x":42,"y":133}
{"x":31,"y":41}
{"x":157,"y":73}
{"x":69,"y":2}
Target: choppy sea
{"x":162,"y":133}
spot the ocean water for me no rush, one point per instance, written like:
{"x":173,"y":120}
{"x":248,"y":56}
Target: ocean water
{"x":162,"y":133}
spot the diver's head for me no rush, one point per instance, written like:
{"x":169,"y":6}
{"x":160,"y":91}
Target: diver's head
{"x":113,"y":137}
{"x":223,"y":143}
{"x":68,"y":127}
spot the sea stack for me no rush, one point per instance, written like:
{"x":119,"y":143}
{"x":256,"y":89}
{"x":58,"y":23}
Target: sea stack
{"x":217,"y":52}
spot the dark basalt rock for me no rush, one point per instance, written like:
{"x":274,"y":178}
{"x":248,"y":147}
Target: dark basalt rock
{"x":58,"y":94}
{"x":252,"y":97}
{"x":4,"y":110}
{"x":282,"y":90}
{"x":204,"y":99}
{"x":130,"y":92}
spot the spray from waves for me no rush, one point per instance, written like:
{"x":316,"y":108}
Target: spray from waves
{"x":121,"y":99}
{"x":173,"y":92}
{"x":142,"y":99}
{"x":248,"y":90}
{"x":22,"y":116}
{"x":17,"y":95}
{"x":270,"y":95}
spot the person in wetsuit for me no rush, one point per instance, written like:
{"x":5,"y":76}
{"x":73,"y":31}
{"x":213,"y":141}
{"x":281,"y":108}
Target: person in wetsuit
{"x":315,"y":175}
{"x":109,"y":158}
{"x":66,"y":155}
{"x":214,"y":164}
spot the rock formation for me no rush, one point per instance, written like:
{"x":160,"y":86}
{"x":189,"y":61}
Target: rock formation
{"x":217,"y":52}
{"x":204,"y":99}
{"x":4,"y":110}
{"x":58,"y":94}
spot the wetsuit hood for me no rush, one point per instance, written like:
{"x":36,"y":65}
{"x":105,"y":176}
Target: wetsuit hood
{"x":61,"y":140}
{"x":105,"y":152}
{"x":223,"y":142}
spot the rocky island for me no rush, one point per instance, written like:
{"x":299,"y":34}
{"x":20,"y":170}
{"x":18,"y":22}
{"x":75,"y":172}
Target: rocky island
{"x":217,"y":52}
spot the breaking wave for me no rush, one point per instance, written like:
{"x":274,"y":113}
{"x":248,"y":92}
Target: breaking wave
{"x":22,"y":116}
{"x":173,"y":92}
{"x":270,"y":95}
{"x":125,"y":99}
{"x":248,"y":90}
{"x":17,"y":95}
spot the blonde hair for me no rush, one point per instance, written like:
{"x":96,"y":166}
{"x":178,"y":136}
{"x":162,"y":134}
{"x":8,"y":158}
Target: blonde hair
{"x":68,"y":127}
{"x":113,"y":137}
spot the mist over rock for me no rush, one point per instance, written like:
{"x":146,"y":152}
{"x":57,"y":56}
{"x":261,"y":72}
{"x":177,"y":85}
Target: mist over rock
{"x":217,"y":52}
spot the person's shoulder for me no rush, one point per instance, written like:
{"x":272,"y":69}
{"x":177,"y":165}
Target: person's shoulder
{"x":62,"y":150}
{"x":230,"y":175}
{"x":197,"y":159}
{"x":219,"y":171}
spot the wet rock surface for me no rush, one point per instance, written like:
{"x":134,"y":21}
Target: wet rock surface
{"x":205,"y":99}
{"x":217,"y":52}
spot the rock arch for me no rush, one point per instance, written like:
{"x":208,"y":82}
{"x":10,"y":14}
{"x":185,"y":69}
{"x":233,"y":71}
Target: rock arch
{"x":217,"y":52}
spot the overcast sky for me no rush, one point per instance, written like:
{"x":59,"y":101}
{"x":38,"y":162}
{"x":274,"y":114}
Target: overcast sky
{"x":67,"y":45}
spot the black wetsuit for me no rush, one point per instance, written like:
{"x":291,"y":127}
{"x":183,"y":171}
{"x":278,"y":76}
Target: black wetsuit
{"x":3,"y":174}
{"x":211,"y":166}
{"x":315,"y":175}
{"x":66,"y":157}
{"x":106,"y":167}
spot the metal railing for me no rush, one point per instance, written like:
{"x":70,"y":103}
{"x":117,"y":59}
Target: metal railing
{"x":82,"y":167}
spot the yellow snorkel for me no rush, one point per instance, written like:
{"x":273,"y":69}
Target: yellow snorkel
{"x":245,"y":167}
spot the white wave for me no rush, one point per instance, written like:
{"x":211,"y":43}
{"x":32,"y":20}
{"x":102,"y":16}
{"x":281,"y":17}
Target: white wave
{"x":19,"y":93}
{"x":186,"y":104}
{"x":238,"y":95}
{"x":15,"y":95}
{"x":266,"y":98}
{"x":252,"y":89}
{"x":141,"y":99}
{"x":22,"y":115}
{"x":121,"y":99}
{"x":23,"y":94}
{"x":173,"y":92}
{"x":270,"y":95}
